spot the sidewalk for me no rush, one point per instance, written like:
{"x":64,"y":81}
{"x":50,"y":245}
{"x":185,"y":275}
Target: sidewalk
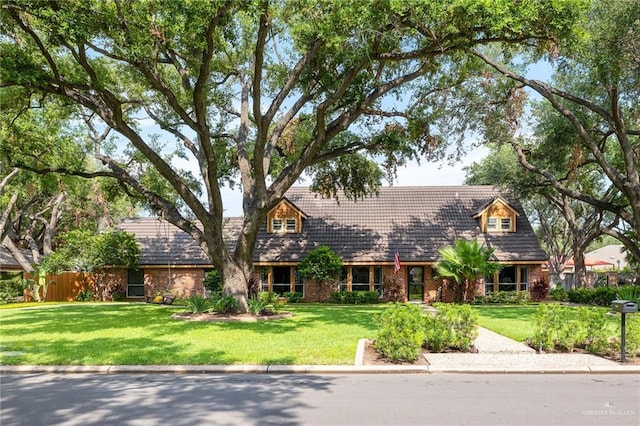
{"x":496,"y":354}
{"x":499,"y":354}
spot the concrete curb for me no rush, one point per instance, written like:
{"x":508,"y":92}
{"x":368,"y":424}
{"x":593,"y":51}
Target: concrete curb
{"x":210,"y":369}
{"x":309,"y":369}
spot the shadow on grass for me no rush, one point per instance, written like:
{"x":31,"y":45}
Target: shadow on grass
{"x":146,"y":334}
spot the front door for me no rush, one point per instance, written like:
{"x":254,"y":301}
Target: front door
{"x":415,"y":283}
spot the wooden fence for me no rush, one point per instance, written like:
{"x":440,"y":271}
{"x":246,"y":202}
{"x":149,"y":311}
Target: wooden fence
{"x":64,"y":287}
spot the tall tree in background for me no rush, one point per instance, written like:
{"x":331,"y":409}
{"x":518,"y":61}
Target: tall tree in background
{"x":258,"y":92}
{"x":34,"y":207}
{"x":589,"y":119}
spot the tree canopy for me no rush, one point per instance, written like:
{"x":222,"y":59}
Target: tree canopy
{"x":254,"y":93}
{"x":584,"y":143}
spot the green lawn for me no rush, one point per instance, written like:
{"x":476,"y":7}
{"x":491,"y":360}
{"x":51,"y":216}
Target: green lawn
{"x":518,"y":321}
{"x":138,"y":333}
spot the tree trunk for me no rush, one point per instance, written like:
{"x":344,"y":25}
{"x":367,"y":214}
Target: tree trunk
{"x":459,"y":290}
{"x":17,"y":254}
{"x":235,"y":278}
{"x":580,"y":270}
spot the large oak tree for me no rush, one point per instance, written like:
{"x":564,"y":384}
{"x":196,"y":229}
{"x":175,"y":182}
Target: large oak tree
{"x":588,"y":120}
{"x":257,"y":92}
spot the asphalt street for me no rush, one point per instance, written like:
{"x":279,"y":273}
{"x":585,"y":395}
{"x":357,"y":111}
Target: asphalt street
{"x":307,"y":399}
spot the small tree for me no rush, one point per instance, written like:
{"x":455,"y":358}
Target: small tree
{"x":320,"y":265}
{"x":84,"y":251}
{"x":463,"y":264}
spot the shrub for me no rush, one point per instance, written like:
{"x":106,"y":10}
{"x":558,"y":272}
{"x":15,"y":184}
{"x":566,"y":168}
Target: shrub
{"x":438,"y":336}
{"x":367,"y":297}
{"x":12,"y":284}
{"x":462,"y":320}
{"x":539,"y":290}
{"x":594,"y":322}
{"x":293,"y":297}
{"x":84,"y":295}
{"x":271,"y":299}
{"x":213,"y":281}
{"x":393,"y":289}
{"x":253,"y":287}
{"x":565,"y":328}
{"x":225,"y":305}
{"x":320,"y":265}
{"x":197,"y":304}
{"x":601,"y":296}
{"x":267,"y":296}
{"x":559,"y":294}
{"x":354,"y":297}
{"x":256,"y":306}
{"x":400,"y":332}
{"x":629,"y":292}
{"x":632,"y":340}
{"x":547,"y":319}
{"x":5,"y":297}
{"x":278,"y":303}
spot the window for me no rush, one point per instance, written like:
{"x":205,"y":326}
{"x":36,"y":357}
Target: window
{"x":507,"y":279}
{"x":360,"y":278}
{"x":524,"y":278}
{"x":377,"y":280}
{"x":489,"y":281}
{"x":284,"y":225}
{"x":281,"y":279}
{"x":299,"y":283}
{"x":343,"y":279}
{"x":499,"y":224}
{"x":135,"y":283}
{"x":264,"y":278}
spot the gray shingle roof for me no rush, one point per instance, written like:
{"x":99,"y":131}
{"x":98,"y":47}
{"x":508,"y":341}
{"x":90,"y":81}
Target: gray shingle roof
{"x":414,"y":221}
{"x":7,"y":261}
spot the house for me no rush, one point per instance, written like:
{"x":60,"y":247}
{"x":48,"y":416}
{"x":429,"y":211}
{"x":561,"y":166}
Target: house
{"x":608,"y":257}
{"x":413,"y":222}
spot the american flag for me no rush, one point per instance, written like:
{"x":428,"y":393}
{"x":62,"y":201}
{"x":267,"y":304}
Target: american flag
{"x":397,"y":265}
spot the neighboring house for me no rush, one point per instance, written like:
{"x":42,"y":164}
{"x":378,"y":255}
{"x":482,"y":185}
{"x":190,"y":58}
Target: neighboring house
{"x":608,"y":257}
{"x":413,"y":222}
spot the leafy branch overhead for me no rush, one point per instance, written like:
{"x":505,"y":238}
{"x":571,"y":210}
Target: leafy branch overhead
{"x":180,"y":99}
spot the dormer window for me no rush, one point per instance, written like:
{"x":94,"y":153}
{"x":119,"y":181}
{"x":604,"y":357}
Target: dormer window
{"x":499,"y":224}
{"x":285,"y":218}
{"x":497,"y":216}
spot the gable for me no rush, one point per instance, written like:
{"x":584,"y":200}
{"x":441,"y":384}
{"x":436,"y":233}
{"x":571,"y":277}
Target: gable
{"x":497,"y":216}
{"x":285,"y":217}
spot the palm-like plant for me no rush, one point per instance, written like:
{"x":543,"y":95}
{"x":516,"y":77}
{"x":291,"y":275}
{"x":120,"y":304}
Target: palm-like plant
{"x":463,"y":263}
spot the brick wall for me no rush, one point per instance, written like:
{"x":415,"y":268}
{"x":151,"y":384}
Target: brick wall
{"x":318,"y":292}
{"x":180,"y":282}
